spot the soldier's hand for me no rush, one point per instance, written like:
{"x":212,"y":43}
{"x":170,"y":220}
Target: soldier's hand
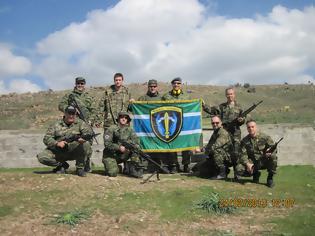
{"x":122,"y":149}
{"x":81,"y":140}
{"x":132,"y":100}
{"x":250,"y":167}
{"x":240,"y":119}
{"x":61,"y":144}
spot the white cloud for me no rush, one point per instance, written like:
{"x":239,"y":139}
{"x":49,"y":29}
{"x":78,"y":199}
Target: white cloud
{"x":18,"y":86}
{"x":162,"y":39}
{"x":12,"y":65}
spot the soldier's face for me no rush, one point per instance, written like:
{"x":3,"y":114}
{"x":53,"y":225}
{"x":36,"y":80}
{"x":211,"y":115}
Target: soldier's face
{"x":123,"y":120}
{"x":80,"y":86}
{"x":69,"y":118}
{"x":177,"y":85}
{"x":252,"y":129}
{"x":153,"y":89}
{"x":216,"y":123}
{"x":118,"y":82}
{"x":230,"y":95}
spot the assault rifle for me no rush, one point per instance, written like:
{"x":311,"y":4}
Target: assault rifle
{"x":81,"y":115}
{"x":272,"y":148}
{"x":242,"y":114}
{"x":75,"y":137}
{"x":133,"y":148}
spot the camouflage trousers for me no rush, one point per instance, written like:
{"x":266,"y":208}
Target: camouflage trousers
{"x":262,"y":163}
{"x":74,"y":151}
{"x":132,"y":164}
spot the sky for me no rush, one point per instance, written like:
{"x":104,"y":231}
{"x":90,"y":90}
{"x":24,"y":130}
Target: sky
{"x":47,"y":44}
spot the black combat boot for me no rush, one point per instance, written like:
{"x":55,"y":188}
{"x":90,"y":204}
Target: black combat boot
{"x":222,"y":173}
{"x":61,"y":168}
{"x":172,"y":169}
{"x":136,"y":171}
{"x":87,"y":166}
{"x":81,"y":172}
{"x":186,"y":168}
{"x":256,"y":176}
{"x":270,"y":182}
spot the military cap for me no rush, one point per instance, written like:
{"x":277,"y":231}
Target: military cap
{"x":124,"y":113}
{"x":79,"y":79}
{"x":70,"y":110}
{"x":177,"y":79}
{"x":152,"y":82}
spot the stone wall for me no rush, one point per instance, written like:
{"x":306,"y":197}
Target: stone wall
{"x":18,"y":148}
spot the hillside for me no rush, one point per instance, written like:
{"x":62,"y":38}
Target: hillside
{"x":282,"y":103}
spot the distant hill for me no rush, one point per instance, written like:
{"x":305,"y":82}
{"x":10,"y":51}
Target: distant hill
{"x":282,"y":103}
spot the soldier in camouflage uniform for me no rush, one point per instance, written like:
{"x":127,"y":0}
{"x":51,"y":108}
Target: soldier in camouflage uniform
{"x":87,"y":106}
{"x":114,"y":153}
{"x":177,"y":93}
{"x":59,"y":151}
{"x":220,"y":151}
{"x":255,"y":156}
{"x":229,"y":111}
{"x":116,"y":99}
{"x":152,"y":95}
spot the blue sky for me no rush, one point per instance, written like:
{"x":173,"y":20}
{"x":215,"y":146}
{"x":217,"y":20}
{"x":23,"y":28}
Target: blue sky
{"x":39,"y":44}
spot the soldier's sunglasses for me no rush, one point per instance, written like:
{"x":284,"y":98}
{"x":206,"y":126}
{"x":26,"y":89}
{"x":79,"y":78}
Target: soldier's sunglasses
{"x":177,"y":83}
{"x":215,"y":123}
{"x":154,"y":86}
{"x":80,"y":83}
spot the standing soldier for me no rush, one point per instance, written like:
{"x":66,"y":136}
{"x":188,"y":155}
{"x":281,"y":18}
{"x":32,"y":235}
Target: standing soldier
{"x":60,"y":149}
{"x":177,"y":93}
{"x":152,"y":95}
{"x":116,"y":99}
{"x":256,"y":155}
{"x":87,"y":107}
{"x":114,"y":153}
{"x":229,"y":111}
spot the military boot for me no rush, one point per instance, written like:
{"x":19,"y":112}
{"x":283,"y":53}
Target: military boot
{"x":222,"y":173}
{"x":61,"y":168}
{"x":172,"y":169}
{"x":87,"y":166}
{"x":135,"y":171}
{"x":186,"y":168}
{"x":256,"y":176}
{"x":270,"y":182}
{"x":81,"y":172}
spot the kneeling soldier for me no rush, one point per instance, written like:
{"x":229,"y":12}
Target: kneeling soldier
{"x":65,"y":140}
{"x":114,"y":153}
{"x":256,"y":155}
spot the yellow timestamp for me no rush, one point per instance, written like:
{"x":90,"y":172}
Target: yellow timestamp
{"x":257,"y":202}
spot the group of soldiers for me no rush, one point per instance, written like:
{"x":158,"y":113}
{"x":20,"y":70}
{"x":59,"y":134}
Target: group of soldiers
{"x":71,"y":137}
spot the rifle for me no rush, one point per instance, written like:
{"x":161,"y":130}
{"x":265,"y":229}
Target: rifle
{"x":133,"y":148}
{"x":75,"y":137}
{"x":81,"y":114}
{"x":242,"y":114}
{"x":272,"y":148}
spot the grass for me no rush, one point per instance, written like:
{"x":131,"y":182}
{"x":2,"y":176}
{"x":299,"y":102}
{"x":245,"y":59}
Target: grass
{"x":175,"y":200}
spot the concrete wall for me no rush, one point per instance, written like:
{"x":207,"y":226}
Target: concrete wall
{"x":18,"y":148}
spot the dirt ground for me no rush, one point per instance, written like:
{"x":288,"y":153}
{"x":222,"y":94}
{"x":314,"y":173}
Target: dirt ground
{"x":33,"y":209}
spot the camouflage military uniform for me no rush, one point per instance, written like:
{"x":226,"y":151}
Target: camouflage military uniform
{"x":220,"y":150}
{"x":252,"y":150}
{"x":114,"y":102}
{"x":185,"y":154}
{"x":53,"y":156}
{"x":86,"y":103}
{"x":112,"y":155}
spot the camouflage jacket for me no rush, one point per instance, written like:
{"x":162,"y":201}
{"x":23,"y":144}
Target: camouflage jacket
{"x":114,"y":102}
{"x":253,"y":148}
{"x":60,"y":129}
{"x":170,"y":96}
{"x":114,"y":134}
{"x":86,"y":103}
{"x":229,"y":113}
{"x":220,"y":141}
{"x":150,"y":97}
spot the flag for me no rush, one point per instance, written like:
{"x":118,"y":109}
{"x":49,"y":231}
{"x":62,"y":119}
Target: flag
{"x":165,"y":126}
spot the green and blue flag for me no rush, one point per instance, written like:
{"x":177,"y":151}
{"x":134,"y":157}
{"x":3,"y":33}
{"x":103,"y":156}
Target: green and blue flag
{"x":165,"y":126}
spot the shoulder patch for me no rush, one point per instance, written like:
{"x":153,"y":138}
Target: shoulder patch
{"x":106,"y":136}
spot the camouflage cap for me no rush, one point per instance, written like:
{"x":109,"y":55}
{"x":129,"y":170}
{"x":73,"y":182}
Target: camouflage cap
{"x":152,"y":82}
{"x":79,"y":79}
{"x":70,"y":110}
{"x":124,"y":113}
{"x":177,"y":79}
